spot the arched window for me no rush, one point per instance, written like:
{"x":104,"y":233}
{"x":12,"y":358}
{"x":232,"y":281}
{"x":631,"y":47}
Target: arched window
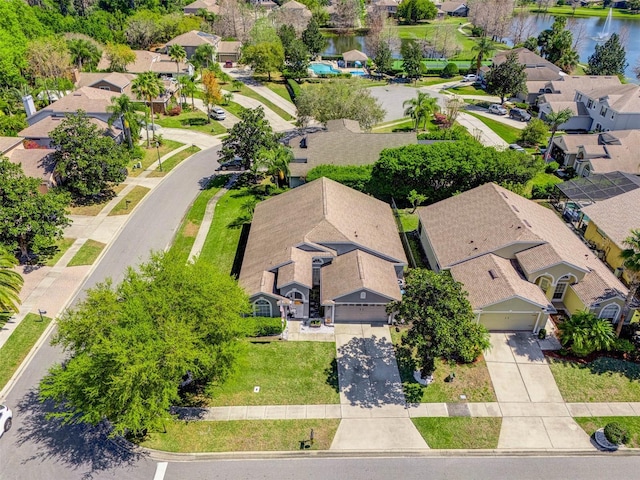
{"x":262,"y":308}
{"x":544,"y":283}
{"x":610,"y":312}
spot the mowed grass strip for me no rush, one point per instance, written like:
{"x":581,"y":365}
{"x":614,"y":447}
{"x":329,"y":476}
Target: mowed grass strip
{"x":288,"y":373}
{"x":128,"y":203}
{"x":459,"y":432}
{"x":630,"y":424}
{"x":62,"y":246}
{"x":508,"y":133}
{"x":170,"y":163}
{"x":87,"y":254}
{"x":151,"y":155}
{"x":19,"y":344}
{"x":472,"y":379}
{"x":93,"y":209}
{"x":247,"y":92}
{"x":603,"y":380}
{"x":243,"y":435}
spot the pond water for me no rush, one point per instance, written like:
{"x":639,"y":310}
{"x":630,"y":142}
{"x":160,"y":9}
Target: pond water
{"x":629,"y":29}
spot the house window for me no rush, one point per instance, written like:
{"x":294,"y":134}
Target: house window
{"x":363,"y":295}
{"x":261,"y":308}
{"x":610,"y":312}
{"x":544,"y":284}
{"x":598,"y":127}
{"x":105,"y":88}
{"x":558,"y":293}
{"x":613,"y":115}
{"x":603,"y":111}
{"x":578,"y":97}
{"x":590,"y":103}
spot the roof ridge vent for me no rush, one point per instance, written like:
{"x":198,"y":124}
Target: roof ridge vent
{"x":325,"y":207}
{"x":493,"y":274}
{"x":515,"y":208}
{"x":524,"y":220}
{"x":360,"y":266}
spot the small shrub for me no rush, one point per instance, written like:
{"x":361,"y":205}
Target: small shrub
{"x":440,"y":119}
{"x":175,"y":111}
{"x":542,"y":191}
{"x":615,"y":433}
{"x":197,"y":121}
{"x":454,"y":133}
{"x":477,"y":31}
{"x":624,"y":346}
{"x":263,"y":326}
{"x":542,"y":333}
{"x":523,"y":106}
{"x":551,"y":167}
{"x":450,"y":70}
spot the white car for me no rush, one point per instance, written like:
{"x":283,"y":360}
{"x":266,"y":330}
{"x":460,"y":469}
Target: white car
{"x":497,"y":109}
{"x":470,"y":78}
{"x":218,"y":114}
{"x":5,"y":419}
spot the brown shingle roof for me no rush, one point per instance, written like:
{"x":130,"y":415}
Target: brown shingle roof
{"x":354,"y":55}
{"x":537,"y":258}
{"x":35,"y":162}
{"x":47,"y":124}
{"x":570,"y":143}
{"x":616,"y":216}
{"x":7,"y":143}
{"x":91,"y":100}
{"x":195,"y":38}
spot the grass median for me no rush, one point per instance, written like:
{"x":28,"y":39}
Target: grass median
{"x":87,"y":254}
{"x":506,"y":132}
{"x":151,"y":155}
{"x":19,"y":344}
{"x":129,"y":202}
{"x":630,"y":424}
{"x":62,"y":245}
{"x":171,"y":162}
{"x":93,"y":209}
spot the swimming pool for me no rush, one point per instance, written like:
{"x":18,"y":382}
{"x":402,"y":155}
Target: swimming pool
{"x":323,"y":69}
{"x":357,"y":73}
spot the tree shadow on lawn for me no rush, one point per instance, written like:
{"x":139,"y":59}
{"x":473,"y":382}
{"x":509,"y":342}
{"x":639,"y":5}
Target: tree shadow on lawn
{"x":76,"y":446}
{"x":604,"y":365}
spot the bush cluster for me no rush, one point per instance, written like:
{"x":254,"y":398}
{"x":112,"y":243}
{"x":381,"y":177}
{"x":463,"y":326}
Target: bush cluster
{"x":263,"y":326}
{"x":615,"y":433}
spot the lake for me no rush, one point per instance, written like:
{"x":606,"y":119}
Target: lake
{"x":591,"y":26}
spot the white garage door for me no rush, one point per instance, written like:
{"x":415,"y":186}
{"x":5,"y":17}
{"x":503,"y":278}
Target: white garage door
{"x":360,"y":313}
{"x":509,"y":321}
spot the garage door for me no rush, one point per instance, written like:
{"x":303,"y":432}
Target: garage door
{"x":360,"y":313}
{"x":509,"y":321}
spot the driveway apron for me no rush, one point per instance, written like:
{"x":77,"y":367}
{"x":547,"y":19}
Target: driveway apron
{"x":374,"y":411}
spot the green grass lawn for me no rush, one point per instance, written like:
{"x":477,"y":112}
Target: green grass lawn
{"x":247,"y":92}
{"x":62,"y":246}
{"x":288,"y":373}
{"x":508,"y":133}
{"x":186,"y":236}
{"x":151,"y":155}
{"x":245,"y":435}
{"x":429,"y":81}
{"x":471,"y":380}
{"x":428,"y":30}
{"x":94,"y":209}
{"x":180,"y":121}
{"x":128,"y":203}
{"x":170,"y":163}
{"x":603,"y":380}
{"x":409,"y":220}
{"x":467,"y":90}
{"x":459,"y":432}
{"x":631,"y":424}
{"x":585,"y":12}
{"x":279,"y":87}
{"x":395,"y":126}
{"x":87,"y":253}
{"x":541,"y":178}
{"x":19,"y":344}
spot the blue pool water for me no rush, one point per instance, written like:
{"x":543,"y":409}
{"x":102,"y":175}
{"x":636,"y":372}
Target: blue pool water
{"x":358,"y":73}
{"x":323,"y":68}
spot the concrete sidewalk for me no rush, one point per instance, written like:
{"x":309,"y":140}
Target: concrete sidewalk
{"x":246,"y":77}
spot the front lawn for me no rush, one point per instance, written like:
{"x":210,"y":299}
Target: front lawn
{"x":62,"y":245}
{"x":409,"y":220}
{"x":467,"y":90}
{"x":243,"y":435}
{"x":279,"y":87}
{"x":603,"y":380}
{"x":92,"y":209}
{"x":128,"y":203}
{"x":631,"y":424}
{"x":87,"y":254}
{"x":508,"y":133}
{"x":247,"y":92}
{"x":182,"y":121}
{"x":174,"y":160}
{"x":471,"y":380}
{"x":288,"y":373}
{"x":459,"y":432}
{"x":151,"y":155}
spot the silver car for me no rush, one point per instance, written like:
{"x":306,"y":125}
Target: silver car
{"x":5,"y":419}
{"x":497,"y":109}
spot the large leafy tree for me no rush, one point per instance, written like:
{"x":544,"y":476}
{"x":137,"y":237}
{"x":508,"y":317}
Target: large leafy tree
{"x":554,"y":120}
{"x":411,"y":11}
{"x":178,"y":54}
{"x":333,"y":100}
{"x":420,"y":108}
{"x":119,"y":56}
{"x":247,"y":137}
{"x":556,"y":44}
{"x":442,"y":323}
{"x":148,"y":86}
{"x":297,"y":60}
{"x":264,"y":57}
{"x":631,"y":262}
{"x":131,"y":345}
{"x":584,"y":333}
{"x":10,"y":282}
{"x":212,"y":93}
{"x":608,"y":59}
{"x":30,"y":222}
{"x":313,"y":39}
{"x":383,"y":58}
{"x":507,"y":79}
{"x":411,"y":60}
{"x":89,"y":162}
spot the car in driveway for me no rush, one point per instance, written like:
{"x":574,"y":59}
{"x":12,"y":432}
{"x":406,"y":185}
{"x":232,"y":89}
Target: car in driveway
{"x":497,"y":109}
{"x":519,"y":114}
{"x":6,"y":416}
{"x":470,"y":78}
{"x":217,"y":113}
{"x":517,"y":148}
{"x":234,"y":164}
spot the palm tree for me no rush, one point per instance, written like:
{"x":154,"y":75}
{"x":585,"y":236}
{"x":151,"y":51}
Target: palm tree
{"x":83,"y":52}
{"x":10,"y":282}
{"x":275,"y":162}
{"x":148,"y":86}
{"x":568,"y":61}
{"x":554,"y":120}
{"x":631,"y":263}
{"x":420,"y":108}
{"x":585,"y":333}
{"x":187,"y":87}
{"x":177,"y":54}
{"x":204,"y":54}
{"x":122,"y":109}
{"x":483,"y":48}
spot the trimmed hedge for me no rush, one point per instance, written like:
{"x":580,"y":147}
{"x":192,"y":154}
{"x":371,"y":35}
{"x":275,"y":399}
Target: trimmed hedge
{"x":454,"y":133}
{"x":263,"y":326}
{"x":294,"y":88}
{"x":354,"y":176}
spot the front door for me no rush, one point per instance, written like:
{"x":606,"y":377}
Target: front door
{"x":297,"y":304}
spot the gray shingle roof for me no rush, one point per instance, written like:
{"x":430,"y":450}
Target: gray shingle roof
{"x":616,"y":216}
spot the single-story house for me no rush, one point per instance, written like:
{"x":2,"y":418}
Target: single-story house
{"x":453,"y":9}
{"x":192,"y":40}
{"x":517,"y":260}
{"x":210,"y":6}
{"x":156,"y":62}
{"x":323,"y":250}
{"x":389,"y":6}
{"x":342,"y":143}
{"x":355,"y":59}
{"x":229,"y":51}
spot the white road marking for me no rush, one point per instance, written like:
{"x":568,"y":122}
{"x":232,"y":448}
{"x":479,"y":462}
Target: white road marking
{"x":160,"y":470}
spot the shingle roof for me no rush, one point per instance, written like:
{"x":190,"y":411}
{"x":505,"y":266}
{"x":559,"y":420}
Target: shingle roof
{"x":146,"y":61}
{"x":491,"y":279}
{"x":525,"y":57}
{"x":622,"y":98}
{"x":354,"y":55}
{"x":91,"y":100}
{"x":293,"y":5}
{"x":570,"y":143}
{"x":355,"y":271}
{"x":47,"y":124}
{"x":450,"y":7}
{"x":616,"y":216}
{"x":35,"y":162}
{"x":7,"y":143}
{"x":537,"y":258}
{"x":194,"y":38}
{"x":577,"y":108}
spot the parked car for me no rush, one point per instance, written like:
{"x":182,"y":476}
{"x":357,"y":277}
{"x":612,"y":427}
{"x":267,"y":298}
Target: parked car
{"x":228,"y":64}
{"x":217,"y":113}
{"x":519,"y":114}
{"x":497,"y":109}
{"x":235,"y":164}
{"x":5,"y":419}
{"x":517,"y":148}
{"x":470,"y":78}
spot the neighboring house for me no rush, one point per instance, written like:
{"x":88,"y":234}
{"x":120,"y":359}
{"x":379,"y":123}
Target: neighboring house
{"x":210,"y":6}
{"x":389,"y":6}
{"x":229,"y":51}
{"x":8,"y":144}
{"x":293,"y":13}
{"x":192,"y":40}
{"x":453,"y":9}
{"x":323,"y":250}
{"x":37,"y":163}
{"x":517,"y":260}
{"x":156,"y":62}
{"x":342,"y":143}
{"x":597,"y":103}
{"x":609,"y":223}
{"x":539,"y":71}
{"x":93,"y":101}
{"x":264,"y":4}
{"x":614,"y":151}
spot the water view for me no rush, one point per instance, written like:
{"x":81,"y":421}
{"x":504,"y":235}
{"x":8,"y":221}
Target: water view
{"x":591,"y":28}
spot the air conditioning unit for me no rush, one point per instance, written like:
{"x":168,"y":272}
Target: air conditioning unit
{"x":600,"y":254}
{"x":618,"y":272}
